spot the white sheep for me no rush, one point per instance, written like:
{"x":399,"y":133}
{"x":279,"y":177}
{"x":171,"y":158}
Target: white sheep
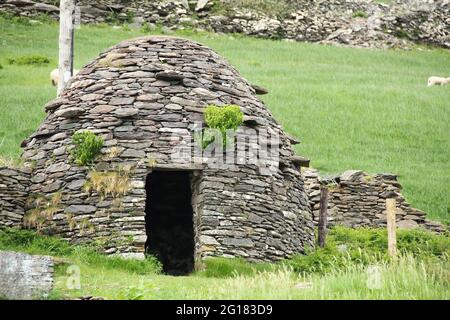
{"x":54,"y":76}
{"x":437,"y":80}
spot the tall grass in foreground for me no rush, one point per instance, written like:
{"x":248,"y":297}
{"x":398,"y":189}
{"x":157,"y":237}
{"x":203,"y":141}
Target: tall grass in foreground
{"x":344,"y":246}
{"x":361,"y":271}
{"x":405,"y":278}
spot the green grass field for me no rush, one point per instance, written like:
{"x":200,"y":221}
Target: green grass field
{"x":362,"y":271}
{"x":351,"y":108}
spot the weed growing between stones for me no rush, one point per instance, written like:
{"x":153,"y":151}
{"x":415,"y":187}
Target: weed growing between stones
{"x":402,"y":34}
{"x":151,"y":162}
{"x":360,"y":14}
{"x":85,"y":227}
{"x":43,"y":210}
{"x":111,"y":183}
{"x":87,"y":147}
{"x":114,"y":152}
{"x":332,"y":186}
{"x":71,"y":221}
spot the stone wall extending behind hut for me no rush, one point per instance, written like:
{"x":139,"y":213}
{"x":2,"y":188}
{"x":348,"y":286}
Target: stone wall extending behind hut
{"x":343,"y":22}
{"x":357,"y":199}
{"x":13,"y":193}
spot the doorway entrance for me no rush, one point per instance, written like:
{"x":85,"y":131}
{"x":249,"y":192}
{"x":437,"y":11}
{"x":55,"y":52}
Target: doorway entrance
{"x":169,"y":220}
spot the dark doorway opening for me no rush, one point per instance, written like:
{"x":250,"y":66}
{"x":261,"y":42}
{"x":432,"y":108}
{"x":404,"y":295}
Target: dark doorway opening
{"x":169,"y":220}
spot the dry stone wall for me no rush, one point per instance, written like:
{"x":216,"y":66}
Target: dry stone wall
{"x":343,"y":22}
{"x":253,"y":217}
{"x":357,"y":199}
{"x":13,"y":195}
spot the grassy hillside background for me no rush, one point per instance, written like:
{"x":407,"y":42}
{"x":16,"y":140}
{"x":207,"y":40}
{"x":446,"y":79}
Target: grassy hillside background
{"x":351,"y":108}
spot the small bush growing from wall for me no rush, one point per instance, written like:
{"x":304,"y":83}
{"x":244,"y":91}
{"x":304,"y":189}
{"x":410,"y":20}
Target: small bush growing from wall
{"x":87,"y":147}
{"x":224,"y":118}
{"x":360,"y":14}
{"x":36,"y":60}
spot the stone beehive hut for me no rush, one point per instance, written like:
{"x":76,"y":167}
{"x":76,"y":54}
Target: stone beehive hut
{"x":142,"y":96}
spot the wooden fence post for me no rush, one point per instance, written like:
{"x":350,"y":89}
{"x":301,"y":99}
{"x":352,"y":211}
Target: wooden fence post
{"x":391,"y":207}
{"x":66,"y":14}
{"x":323,"y":215}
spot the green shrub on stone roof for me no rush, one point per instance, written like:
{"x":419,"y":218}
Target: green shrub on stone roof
{"x":87,"y":147}
{"x":225,"y":118}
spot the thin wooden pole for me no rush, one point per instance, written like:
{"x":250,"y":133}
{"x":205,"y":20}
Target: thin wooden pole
{"x":72,"y":36}
{"x":391,"y":227}
{"x":72,"y":44}
{"x":67,"y":8}
{"x":323,"y":215}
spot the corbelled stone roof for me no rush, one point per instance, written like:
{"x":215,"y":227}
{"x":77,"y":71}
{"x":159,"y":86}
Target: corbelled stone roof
{"x":153,"y":86}
{"x":155,"y":82}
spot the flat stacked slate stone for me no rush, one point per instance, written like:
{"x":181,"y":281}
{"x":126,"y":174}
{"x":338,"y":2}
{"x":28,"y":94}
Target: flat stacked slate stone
{"x":24,"y":276}
{"x":357,"y":199}
{"x":14,"y":184}
{"x":138,"y":95}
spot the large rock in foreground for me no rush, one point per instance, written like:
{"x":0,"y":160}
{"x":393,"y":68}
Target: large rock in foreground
{"x":24,"y":277}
